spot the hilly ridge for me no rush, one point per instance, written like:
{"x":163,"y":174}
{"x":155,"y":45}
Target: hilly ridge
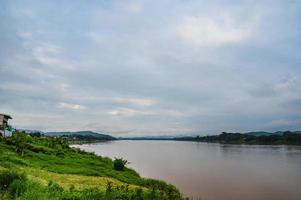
{"x":81,"y":134}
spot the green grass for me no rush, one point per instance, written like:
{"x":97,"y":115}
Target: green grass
{"x":78,"y":181}
{"x":47,"y":159}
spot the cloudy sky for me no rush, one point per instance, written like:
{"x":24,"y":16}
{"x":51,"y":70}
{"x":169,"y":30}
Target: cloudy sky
{"x":151,"y":67}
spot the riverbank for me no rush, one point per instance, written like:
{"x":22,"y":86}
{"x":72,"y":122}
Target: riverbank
{"x":50,"y":162}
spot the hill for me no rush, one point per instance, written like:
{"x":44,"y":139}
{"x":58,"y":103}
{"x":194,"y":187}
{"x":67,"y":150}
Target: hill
{"x":81,"y":135}
{"x":264,"y":133}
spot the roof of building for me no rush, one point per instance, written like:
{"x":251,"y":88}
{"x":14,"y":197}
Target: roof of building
{"x":5,"y":115}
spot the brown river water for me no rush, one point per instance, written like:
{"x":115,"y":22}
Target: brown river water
{"x":214,"y":171}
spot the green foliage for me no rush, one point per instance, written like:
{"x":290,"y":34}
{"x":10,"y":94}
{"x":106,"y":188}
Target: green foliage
{"x":287,"y":137}
{"x":21,"y":188}
{"x":53,"y":155}
{"x":139,"y":194}
{"x":18,"y":187}
{"x":12,"y":183}
{"x":119,"y":164}
{"x":19,"y":139}
{"x":6,"y":179}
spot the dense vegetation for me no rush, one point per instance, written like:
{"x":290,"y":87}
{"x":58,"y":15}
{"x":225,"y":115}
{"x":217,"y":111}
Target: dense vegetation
{"x":287,"y":137}
{"x":38,"y":167}
{"x":77,"y":136}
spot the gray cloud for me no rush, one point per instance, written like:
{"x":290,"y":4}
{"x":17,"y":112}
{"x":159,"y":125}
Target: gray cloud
{"x":145,"y":67}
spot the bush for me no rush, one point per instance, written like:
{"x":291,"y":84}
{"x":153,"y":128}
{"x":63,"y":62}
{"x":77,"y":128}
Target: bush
{"x":91,"y":194}
{"x":7,"y":178}
{"x":19,"y":139}
{"x":18,"y":186}
{"x":54,"y":188}
{"x":119,"y":164}
{"x":139,"y":194}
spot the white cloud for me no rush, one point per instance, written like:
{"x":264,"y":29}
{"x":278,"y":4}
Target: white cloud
{"x":209,"y":31}
{"x":127,"y":112}
{"x":171,"y":113}
{"x":137,"y":101}
{"x":47,"y":53}
{"x":71,"y":106}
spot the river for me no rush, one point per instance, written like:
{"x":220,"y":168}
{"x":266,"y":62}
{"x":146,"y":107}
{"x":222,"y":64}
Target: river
{"x":214,"y":171}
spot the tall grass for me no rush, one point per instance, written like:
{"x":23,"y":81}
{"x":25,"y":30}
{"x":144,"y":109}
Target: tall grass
{"x":18,"y":186}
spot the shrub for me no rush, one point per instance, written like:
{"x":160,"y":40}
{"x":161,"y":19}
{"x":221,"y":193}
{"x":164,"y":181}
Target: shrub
{"x":18,"y":186}
{"x":91,"y":194}
{"x":119,"y":164}
{"x":139,"y":194}
{"x":36,"y":191}
{"x":109,"y":187}
{"x":19,"y":139}
{"x":6,"y":179}
{"x":60,"y":153}
{"x":54,"y":187}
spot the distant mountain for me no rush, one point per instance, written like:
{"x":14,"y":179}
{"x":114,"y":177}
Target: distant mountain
{"x":29,"y":131}
{"x":264,"y":133}
{"x":82,"y":135}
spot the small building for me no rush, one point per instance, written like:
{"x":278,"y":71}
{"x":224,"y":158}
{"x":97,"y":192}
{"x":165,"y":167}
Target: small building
{"x":4,"y":123}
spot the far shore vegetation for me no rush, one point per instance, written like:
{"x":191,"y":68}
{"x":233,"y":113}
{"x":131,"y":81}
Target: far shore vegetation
{"x":47,"y":168}
{"x":260,"y":138}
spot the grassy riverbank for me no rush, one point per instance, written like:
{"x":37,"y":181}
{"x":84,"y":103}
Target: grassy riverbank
{"x":49,"y":169}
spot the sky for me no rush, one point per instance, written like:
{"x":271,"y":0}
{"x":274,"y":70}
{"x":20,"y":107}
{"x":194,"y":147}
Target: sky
{"x":168,"y":67}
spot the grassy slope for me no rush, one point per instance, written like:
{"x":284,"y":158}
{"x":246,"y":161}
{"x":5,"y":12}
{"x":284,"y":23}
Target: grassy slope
{"x":72,"y":167}
{"x":68,"y":180}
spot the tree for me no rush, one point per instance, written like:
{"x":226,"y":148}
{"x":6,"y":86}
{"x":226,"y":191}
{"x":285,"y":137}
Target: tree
{"x":19,"y":140}
{"x":119,"y":164}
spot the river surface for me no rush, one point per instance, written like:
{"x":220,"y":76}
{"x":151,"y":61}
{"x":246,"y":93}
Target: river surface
{"x":214,"y":171}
